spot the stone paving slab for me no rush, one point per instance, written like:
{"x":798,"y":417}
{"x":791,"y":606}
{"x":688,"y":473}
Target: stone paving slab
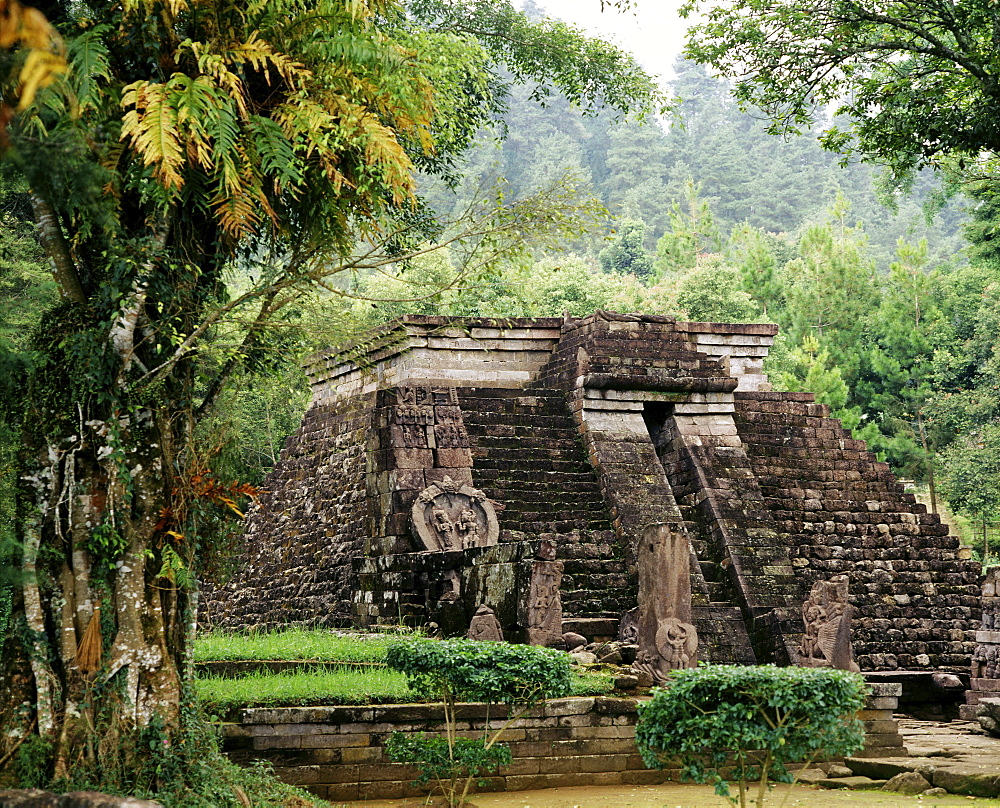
{"x":956,"y":755}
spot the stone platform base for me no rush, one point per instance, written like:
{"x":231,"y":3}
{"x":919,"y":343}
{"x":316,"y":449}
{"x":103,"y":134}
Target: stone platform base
{"x":338,"y":753}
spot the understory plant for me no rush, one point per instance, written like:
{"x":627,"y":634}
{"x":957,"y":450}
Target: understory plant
{"x":747,"y":723}
{"x":519,"y":676}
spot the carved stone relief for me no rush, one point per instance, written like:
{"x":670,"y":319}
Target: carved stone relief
{"x":454,"y":516}
{"x":485,"y":626}
{"x":666,"y":637}
{"x":827,"y":617}
{"x":628,"y":628}
{"x":544,"y":618}
{"x":427,"y":396}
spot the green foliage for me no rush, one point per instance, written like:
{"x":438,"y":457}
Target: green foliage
{"x":33,"y":762}
{"x":831,"y":287}
{"x":554,"y":55}
{"x":346,"y":685}
{"x":625,"y":255}
{"x":970,"y":473}
{"x":754,"y":253}
{"x":808,"y":367}
{"x":750,"y":722}
{"x":444,"y":763}
{"x":295,"y":643}
{"x":692,"y":233}
{"x":914,"y":82}
{"x":187,"y":770}
{"x":711,"y":292}
{"x":491,"y":672}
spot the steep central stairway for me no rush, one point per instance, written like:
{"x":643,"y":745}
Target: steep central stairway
{"x":526,"y":453}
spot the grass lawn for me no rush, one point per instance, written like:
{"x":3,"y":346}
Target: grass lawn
{"x":319,"y":645}
{"x":337,"y":686}
{"x":346,"y":685}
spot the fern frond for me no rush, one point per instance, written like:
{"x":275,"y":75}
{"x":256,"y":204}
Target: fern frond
{"x":238,"y":208}
{"x":89,"y":65}
{"x":150,"y":124}
{"x":383,"y":151}
{"x":277,"y":157}
{"x":262,"y":56}
{"x":39,"y":70}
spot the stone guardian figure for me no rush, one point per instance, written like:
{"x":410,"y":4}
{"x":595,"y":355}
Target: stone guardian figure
{"x":666,"y":637}
{"x":827,"y":616}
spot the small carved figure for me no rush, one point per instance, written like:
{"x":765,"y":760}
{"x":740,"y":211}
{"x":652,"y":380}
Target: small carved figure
{"x":412,"y":436}
{"x":628,"y":628}
{"x":451,"y":587}
{"x":450,"y":436}
{"x":450,"y":515}
{"x":468,"y":528}
{"x":485,"y":626}
{"x":677,"y":643}
{"x":827,"y":618}
{"x":445,"y":529}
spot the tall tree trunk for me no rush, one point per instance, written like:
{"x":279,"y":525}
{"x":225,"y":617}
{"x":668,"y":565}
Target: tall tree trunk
{"x":121,"y":494}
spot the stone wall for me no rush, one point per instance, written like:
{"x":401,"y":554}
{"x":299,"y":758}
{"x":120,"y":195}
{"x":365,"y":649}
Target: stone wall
{"x":843,"y":512}
{"x":578,"y":435}
{"x":338,"y":753}
{"x":311,"y":520}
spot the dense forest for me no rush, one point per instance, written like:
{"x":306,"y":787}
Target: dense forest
{"x":887,"y":301}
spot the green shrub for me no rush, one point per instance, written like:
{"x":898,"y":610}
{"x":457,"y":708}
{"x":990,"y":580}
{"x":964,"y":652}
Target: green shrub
{"x":491,"y":672}
{"x":465,"y":670}
{"x":751,"y":720}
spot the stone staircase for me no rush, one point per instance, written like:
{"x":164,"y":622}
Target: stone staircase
{"x":842,"y":511}
{"x":527,"y":453}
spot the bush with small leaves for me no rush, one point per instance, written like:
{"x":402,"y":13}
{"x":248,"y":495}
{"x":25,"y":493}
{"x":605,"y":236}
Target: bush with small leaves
{"x":751,"y":721}
{"x":465,"y":670}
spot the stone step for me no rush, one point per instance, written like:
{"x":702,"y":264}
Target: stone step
{"x":968,"y":712}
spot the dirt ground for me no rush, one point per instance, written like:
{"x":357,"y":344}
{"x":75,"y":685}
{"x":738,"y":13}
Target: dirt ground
{"x":675,"y":795}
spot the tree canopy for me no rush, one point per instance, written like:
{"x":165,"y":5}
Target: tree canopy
{"x":913,"y":81}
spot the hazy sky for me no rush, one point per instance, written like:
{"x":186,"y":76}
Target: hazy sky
{"x":651,"y":31}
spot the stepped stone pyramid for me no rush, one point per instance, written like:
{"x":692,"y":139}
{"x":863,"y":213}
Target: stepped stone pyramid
{"x":440,"y":455}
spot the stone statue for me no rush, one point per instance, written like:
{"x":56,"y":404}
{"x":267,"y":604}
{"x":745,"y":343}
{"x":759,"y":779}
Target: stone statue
{"x":445,"y":530}
{"x":468,"y":528}
{"x":449,"y":515}
{"x":666,"y":637}
{"x":628,"y":627}
{"x":544,"y":611}
{"x":827,"y":617}
{"x":485,"y":626}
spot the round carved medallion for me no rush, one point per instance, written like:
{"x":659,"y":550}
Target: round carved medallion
{"x":454,"y":516}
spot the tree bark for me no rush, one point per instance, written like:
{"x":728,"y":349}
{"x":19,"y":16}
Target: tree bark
{"x":50,"y":234}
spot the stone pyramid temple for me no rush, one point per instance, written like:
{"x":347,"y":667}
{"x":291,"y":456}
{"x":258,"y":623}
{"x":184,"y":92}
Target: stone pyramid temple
{"x":441,"y":458}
